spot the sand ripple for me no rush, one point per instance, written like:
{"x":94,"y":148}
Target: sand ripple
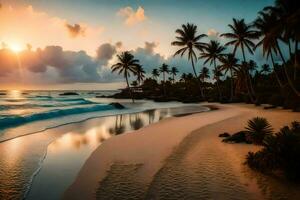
{"x":209,"y":176}
{"x":121,"y":183}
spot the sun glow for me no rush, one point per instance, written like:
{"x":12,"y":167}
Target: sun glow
{"x":16,"y":47}
{"x":15,"y":94}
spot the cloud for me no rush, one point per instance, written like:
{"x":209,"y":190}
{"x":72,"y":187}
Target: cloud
{"x":75,"y":30}
{"x":150,"y":59}
{"x":41,"y":29}
{"x":53,"y":65}
{"x":132,"y":17}
{"x":213,"y":34}
{"x":106,"y":51}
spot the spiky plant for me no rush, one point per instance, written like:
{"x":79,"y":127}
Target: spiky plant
{"x":258,"y":129}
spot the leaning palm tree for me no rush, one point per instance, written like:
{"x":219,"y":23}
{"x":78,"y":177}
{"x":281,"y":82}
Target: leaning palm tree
{"x":287,"y":13}
{"x":164,"y":69}
{"x":189,"y":41}
{"x":155,"y":73}
{"x":242,"y":35}
{"x":174,"y":72}
{"x":265,"y":24}
{"x":140,"y":73}
{"x":229,"y":64}
{"x":271,"y":25}
{"x":212,"y":52}
{"x":126,"y":65}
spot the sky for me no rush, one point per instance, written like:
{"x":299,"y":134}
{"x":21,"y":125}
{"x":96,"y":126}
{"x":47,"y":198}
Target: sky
{"x":60,"y":44}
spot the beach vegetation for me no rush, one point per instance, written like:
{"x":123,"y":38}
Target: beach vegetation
{"x":280,"y":154}
{"x":234,"y":77}
{"x":257,"y":130}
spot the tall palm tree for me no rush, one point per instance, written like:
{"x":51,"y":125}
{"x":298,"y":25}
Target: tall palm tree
{"x":265,"y":24}
{"x":174,"y":72}
{"x":242,"y":35}
{"x":287,"y":28}
{"x":155,"y":73}
{"x":140,"y":73}
{"x":240,"y":83}
{"x":212,"y":52}
{"x":229,"y":64}
{"x":204,"y":73}
{"x":164,"y":69}
{"x":126,"y":65}
{"x":188,"y":39}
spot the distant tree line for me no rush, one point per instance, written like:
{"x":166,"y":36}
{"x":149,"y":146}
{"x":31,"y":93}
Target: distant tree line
{"x":235,"y":79}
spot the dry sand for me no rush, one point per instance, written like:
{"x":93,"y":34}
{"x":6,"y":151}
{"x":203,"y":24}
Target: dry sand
{"x":182,"y":158}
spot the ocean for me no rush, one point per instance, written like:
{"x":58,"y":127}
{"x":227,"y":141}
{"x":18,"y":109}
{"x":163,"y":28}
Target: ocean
{"x":46,"y":137}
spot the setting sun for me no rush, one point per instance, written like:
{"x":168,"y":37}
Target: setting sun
{"x":16,"y":48}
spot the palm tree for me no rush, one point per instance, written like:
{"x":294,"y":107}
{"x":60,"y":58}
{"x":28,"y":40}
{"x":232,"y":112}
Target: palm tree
{"x":164,"y":69}
{"x":155,"y":73}
{"x":126,"y":65}
{"x":212,"y":52}
{"x":229,"y":64}
{"x":189,"y":41}
{"x":287,"y":13}
{"x":265,"y":24}
{"x":217,"y":74}
{"x":271,"y":25}
{"x":183,"y":77}
{"x":204,"y":73}
{"x":265,"y":69}
{"x":140,"y":73}
{"x":174,"y":72}
{"x":241,"y":35}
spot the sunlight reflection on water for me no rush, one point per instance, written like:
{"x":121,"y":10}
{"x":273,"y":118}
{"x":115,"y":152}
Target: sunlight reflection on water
{"x":67,"y":148}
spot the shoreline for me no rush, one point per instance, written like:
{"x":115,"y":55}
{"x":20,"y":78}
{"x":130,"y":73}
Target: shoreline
{"x":145,"y":153}
{"x":125,"y":114}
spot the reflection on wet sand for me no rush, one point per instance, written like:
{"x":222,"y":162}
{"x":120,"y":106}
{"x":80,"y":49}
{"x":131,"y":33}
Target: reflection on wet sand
{"x":75,"y":144}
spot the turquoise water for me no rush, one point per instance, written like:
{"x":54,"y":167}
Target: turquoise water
{"x":41,"y":155}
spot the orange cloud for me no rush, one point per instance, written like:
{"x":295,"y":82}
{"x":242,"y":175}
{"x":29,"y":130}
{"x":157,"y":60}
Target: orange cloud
{"x":213,"y":34}
{"x":40,"y":30}
{"x":132,"y":17}
{"x":75,"y":30}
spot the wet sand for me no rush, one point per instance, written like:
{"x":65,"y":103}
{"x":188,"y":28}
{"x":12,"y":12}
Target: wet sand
{"x":183,"y":158}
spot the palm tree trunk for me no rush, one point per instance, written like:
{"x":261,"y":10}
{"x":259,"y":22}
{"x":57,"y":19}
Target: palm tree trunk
{"x":276,"y":75}
{"x":290,"y":48}
{"x":173,"y":78}
{"x":232,"y":87}
{"x":130,"y":92}
{"x":199,"y":82}
{"x":217,"y":81}
{"x":248,"y":84}
{"x":164,"y":86}
{"x":286,"y":72}
{"x":296,"y":61}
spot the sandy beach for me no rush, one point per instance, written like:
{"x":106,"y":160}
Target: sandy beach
{"x":183,"y":158}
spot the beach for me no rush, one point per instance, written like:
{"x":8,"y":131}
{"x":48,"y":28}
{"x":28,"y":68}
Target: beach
{"x":39,"y":149}
{"x":183,"y":158}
